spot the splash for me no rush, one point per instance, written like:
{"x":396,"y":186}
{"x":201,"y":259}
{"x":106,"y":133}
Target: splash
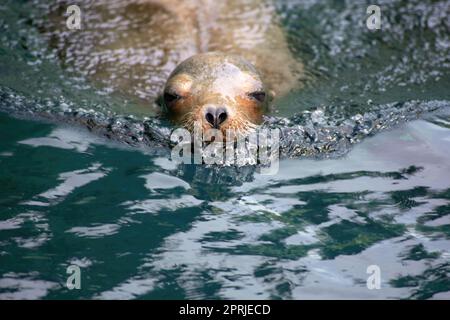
{"x":364,"y":81}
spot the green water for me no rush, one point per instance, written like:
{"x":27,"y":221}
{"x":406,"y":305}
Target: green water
{"x":142,"y":227}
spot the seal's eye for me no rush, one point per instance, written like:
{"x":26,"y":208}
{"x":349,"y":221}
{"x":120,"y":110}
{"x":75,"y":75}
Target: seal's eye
{"x":170,"y":97}
{"x":258,"y":95}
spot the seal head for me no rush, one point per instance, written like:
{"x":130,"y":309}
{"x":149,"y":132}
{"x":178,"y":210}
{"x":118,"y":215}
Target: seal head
{"x":215,"y":90}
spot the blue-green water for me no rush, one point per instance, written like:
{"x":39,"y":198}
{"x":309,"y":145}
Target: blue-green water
{"x":142,"y":228}
{"x":377,"y":191}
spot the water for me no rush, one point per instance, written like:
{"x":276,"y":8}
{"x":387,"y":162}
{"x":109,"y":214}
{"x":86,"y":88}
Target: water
{"x":140,"y":226}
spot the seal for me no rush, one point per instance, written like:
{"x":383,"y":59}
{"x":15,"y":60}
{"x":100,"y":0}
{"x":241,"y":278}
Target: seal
{"x":216,"y":90}
{"x":128,"y":48}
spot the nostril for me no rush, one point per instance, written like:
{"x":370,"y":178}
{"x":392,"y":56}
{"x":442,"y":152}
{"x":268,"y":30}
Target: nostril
{"x":209,"y":117}
{"x":221,"y":115}
{"x":216,"y":116}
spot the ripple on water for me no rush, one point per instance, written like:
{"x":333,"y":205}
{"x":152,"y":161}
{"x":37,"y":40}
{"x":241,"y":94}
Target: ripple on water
{"x":308,"y":232}
{"x":142,"y":227}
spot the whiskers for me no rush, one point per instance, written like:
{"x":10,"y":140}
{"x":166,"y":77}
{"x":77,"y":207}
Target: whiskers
{"x":189,"y":119}
{"x":242,"y":126}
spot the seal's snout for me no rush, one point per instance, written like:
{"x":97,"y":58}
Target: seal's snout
{"x":215,"y":116}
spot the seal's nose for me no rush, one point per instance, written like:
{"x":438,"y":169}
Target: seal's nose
{"x":216,"y":116}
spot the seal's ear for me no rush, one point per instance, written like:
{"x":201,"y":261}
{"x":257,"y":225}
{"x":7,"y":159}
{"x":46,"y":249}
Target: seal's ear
{"x":160,"y":102}
{"x":272,"y":94}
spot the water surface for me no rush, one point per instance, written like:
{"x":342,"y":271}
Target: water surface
{"x":141,"y":227}
{"x":358,"y":185}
